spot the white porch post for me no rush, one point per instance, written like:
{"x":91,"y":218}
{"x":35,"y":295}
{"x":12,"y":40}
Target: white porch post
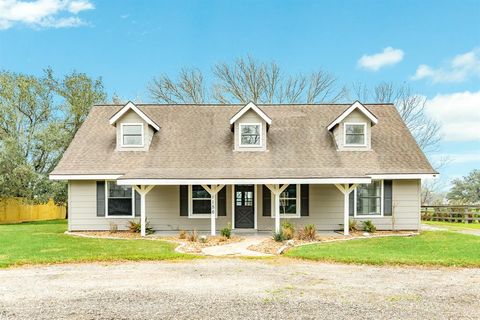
{"x":276,"y":191}
{"x":213,"y":190}
{"x":212,"y":214}
{"x":346,"y":189}
{"x":143,"y":190}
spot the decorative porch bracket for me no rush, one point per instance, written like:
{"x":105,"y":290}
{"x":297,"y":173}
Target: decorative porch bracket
{"x":143,"y":190}
{"x":213,"y":190}
{"x":346,"y":189}
{"x":276,"y":190}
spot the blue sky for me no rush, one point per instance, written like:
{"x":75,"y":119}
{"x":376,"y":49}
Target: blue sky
{"x":434,"y":46}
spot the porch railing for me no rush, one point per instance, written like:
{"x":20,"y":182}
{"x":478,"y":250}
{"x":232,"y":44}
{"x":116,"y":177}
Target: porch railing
{"x":453,"y":213}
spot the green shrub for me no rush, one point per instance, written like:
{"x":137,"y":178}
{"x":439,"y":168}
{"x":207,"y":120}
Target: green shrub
{"x":308,"y":232}
{"x":288,"y":229}
{"x":227,"y":231}
{"x":279,"y":236}
{"x":136,"y":227}
{"x":368,"y":226}
{"x":352,"y":225}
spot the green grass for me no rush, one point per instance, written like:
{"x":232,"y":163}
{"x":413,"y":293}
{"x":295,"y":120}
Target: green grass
{"x":442,"y":248}
{"x":44,"y":242}
{"x":454,"y":225}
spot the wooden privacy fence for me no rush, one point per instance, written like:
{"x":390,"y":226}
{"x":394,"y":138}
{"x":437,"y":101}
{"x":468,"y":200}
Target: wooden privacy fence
{"x":465,"y":214}
{"x":15,"y":210}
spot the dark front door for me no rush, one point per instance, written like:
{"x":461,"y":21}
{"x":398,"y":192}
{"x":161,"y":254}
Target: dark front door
{"x":244,"y":206}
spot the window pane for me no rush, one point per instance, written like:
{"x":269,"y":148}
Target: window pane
{"x":250,"y":134}
{"x":355,"y":128}
{"x":248,"y":199}
{"x":369,"y":198}
{"x":199,"y":192}
{"x":132,"y":140}
{"x":119,"y":207}
{"x":355,"y":139}
{"x":201,"y":207}
{"x":289,"y":192}
{"x":132,"y":129}
{"x":288,"y":206}
{"x":116,"y":191}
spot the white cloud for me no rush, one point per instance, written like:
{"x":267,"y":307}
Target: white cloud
{"x":458,"y":115}
{"x":388,"y":57}
{"x":42,"y":13}
{"x":460,"y":68}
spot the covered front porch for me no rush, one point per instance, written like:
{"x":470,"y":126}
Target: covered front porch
{"x":251,"y":206}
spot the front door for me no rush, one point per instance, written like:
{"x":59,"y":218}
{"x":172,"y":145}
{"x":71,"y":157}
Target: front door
{"x":244,"y":206}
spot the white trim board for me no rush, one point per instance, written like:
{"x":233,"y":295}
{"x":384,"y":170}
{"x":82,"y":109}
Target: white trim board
{"x":247,"y":107}
{"x":168,"y":182}
{"x":401,"y":176}
{"x":84,"y":176}
{"x":140,"y":113}
{"x":354,"y":106}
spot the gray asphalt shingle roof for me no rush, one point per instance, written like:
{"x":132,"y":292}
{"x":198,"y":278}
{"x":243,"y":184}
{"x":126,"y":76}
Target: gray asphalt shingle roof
{"x":195,"y":142}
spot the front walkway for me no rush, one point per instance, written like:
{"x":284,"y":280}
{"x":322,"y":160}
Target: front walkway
{"x":237,"y":248}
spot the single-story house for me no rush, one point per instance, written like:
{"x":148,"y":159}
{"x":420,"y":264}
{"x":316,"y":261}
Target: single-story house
{"x":185,"y":167}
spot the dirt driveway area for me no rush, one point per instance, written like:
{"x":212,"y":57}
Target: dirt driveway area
{"x":237,"y":288}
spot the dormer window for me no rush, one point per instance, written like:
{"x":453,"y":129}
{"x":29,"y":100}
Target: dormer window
{"x":250,"y":134}
{"x":355,"y":134}
{"x":132,"y":135}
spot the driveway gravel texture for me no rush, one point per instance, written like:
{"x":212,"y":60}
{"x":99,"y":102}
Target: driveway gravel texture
{"x":237,"y":288}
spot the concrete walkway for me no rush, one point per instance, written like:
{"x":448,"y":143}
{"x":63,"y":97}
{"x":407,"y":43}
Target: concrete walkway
{"x":237,"y":248}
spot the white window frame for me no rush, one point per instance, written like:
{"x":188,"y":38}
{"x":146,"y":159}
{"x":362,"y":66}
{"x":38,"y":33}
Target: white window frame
{"x":381,"y":215}
{"x":364,"y":134}
{"x":132,"y":145}
{"x":199,"y":215}
{"x":289,"y":215}
{"x":106,"y":203}
{"x":240,"y":144}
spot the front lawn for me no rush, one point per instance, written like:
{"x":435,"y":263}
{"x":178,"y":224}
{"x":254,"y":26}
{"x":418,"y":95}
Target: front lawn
{"x":430,"y":248}
{"x":453,"y":225}
{"x":44,"y":242}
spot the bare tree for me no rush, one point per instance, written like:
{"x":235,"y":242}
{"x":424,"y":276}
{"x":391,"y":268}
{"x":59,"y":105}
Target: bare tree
{"x":189,"y":88}
{"x":247,"y":80}
{"x":411,"y":107}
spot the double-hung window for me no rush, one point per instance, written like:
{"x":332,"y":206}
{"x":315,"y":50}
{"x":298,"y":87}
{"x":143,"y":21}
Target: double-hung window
{"x":369,"y":199}
{"x":250,"y":134}
{"x":132,"y":135}
{"x":120,"y":200}
{"x":200,"y":202}
{"x":290,"y":202}
{"x":355,"y":134}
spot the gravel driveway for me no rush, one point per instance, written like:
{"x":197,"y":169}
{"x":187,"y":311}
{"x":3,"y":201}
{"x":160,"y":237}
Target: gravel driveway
{"x":236,"y":288}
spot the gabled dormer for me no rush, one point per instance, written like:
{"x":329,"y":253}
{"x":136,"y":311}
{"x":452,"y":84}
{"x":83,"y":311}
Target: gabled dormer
{"x":250,"y":126}
{"x":352,"y":128}
{"x":135,"y":129}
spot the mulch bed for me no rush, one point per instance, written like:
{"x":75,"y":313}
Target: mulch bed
{"x":270,"y":246}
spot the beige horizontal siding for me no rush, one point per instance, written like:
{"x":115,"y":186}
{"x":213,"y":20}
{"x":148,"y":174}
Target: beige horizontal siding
{"x":163,"y":209}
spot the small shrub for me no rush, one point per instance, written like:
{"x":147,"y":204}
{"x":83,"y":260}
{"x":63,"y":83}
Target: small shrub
{"x":227,"y":231}
{"x":352,"y":225}
{"x":279,"y":236}
{"x":182,"y":234}
{"x":368,"y":226}
{"x":203,"y":239}
{"x":113,"y":227}
{"x":136,"y":227}
{"x":308,"y":232}
{"x":192,"y":236}
{"x":288,"y":229}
